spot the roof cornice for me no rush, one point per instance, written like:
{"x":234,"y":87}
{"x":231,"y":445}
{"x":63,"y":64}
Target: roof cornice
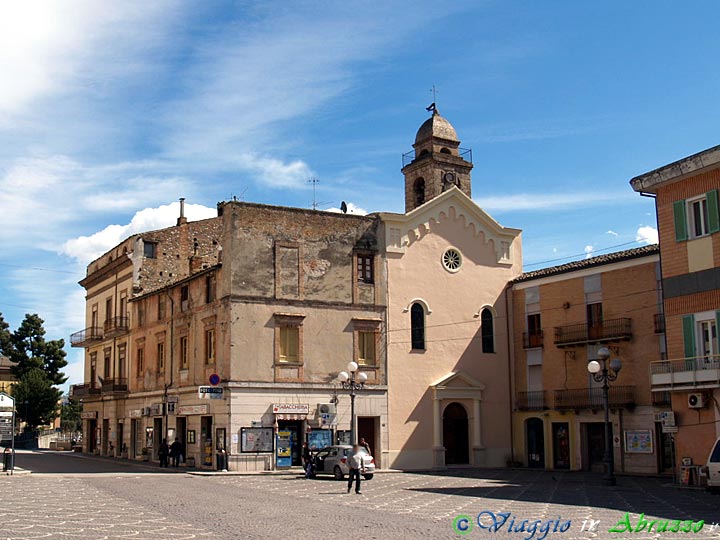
{"x":678,"y":170}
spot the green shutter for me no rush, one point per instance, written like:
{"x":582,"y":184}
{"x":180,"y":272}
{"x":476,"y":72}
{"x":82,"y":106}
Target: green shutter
{"x":717,"y":328}
{"x":680,"y":221}
{"x":688,"y":324}
{"x":713,"y":213}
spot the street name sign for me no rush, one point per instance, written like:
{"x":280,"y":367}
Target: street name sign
{"x":210,"y":392}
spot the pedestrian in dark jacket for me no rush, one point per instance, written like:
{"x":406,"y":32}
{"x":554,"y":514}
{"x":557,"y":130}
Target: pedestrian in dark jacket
{"x":307,"y":460}
{"x":176,"y":452}
{"x":163,"y":453}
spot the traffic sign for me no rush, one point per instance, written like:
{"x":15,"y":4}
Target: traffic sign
{"x":214,"y":379}
{"x":210,"y":392}
{"x":6,"y":401}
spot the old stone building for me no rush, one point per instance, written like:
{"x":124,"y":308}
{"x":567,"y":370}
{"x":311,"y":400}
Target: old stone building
{"x":268,"y":303}
{"x":686,"y":202}
{"x":561,"y":316}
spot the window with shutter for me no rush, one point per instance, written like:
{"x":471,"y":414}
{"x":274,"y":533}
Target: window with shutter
{"x":680,"y":220}
{"x":713,"y":211}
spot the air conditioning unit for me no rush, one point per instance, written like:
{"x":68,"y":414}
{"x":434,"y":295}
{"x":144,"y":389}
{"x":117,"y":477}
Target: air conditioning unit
{"x":326,"y":408}
{"x":696,"y":401}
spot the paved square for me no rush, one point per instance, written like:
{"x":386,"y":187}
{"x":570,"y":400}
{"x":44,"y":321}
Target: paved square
{"x":74,"y":497}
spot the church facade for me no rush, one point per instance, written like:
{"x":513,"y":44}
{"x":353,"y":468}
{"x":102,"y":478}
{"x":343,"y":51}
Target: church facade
{"x":448,"y":264}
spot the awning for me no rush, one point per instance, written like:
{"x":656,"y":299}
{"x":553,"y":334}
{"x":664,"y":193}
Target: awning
{"x":290,"y":416}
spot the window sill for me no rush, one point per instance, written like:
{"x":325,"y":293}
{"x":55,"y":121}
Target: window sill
{"x":288,"y":364}
{"x":417,"y":351}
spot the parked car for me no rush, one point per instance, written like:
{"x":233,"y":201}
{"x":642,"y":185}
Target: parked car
{"x":334,"y":460}
{"x":712,"y":468}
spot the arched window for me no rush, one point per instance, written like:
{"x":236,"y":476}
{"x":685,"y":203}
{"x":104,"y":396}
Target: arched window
{"x":486,"y":329}
{"x":445,"y":151}
{"x":419,"y":189}
{"x":417,"y":327}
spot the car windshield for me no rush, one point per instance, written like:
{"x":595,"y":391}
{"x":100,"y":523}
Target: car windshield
{"x":715,"y":457}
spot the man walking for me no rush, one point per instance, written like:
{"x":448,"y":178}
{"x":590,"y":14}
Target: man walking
{"x":356,"y":464}
{"x":163,"y":453}
{"x":307,"y":460}
{"x":176,"y":452}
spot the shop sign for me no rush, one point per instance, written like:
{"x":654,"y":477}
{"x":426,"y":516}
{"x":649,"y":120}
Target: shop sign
{"x":192,"y":409}
{"x":156,"y":409}
{"x":135,"y":413}
{"x":88,"y":415}
{"x":291,"y":408}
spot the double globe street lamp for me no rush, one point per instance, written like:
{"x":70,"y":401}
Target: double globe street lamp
{"x":604,"y":373}
{"x":353,"y":381}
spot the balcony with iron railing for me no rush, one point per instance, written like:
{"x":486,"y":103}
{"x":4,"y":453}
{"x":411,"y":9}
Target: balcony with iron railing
{"x":117,"y":385}
{"x":691,"y":372}
{"x":533,"y":340}
{"x":83,"y":390}
{"x":464,"y":153}
{"x":600,"y":332}
{"x":86,"y":337}
{"x":532,"y":401}
{"x":659,"y":323}
{"x":592,"y":398}
{"x":116,"y":326}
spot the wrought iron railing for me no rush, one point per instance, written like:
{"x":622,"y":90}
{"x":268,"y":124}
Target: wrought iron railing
{"x":532,"y":401}
{"x":679,"y":365}
{"x":607,"y":330}
{"x":114,"y":385}
{"x":592,"y":398}
{"x":115,"y":326}
{"x":86,"y":336}
{"x":533,"y":340}
{"x":409,"y":157}
{"x":81,"y":390}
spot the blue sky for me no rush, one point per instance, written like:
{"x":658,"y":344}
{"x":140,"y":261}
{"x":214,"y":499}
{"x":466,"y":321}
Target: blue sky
{"x":111,"y":111}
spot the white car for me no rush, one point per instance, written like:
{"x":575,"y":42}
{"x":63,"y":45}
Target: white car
{"x":712,"y":468}
{"x":334,"y":460}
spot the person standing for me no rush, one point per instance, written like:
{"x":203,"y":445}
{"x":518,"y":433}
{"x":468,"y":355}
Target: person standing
{"x":365,"y":445}
{"x":356,"y":464}
{"x":307,"y":459}
{"x":163,"y":453}
{"x":176,"y":452}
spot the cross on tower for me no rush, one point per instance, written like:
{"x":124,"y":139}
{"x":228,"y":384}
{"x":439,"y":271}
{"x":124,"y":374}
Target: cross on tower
{"x":434,"y":91}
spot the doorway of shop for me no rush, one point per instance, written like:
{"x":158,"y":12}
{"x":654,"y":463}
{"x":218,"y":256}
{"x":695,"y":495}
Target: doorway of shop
{"x":561,"y":445}
{"x":105,"y":437}
{"x":181,"y":434}
{"x":91,"y":435}
{"x":594,"y":446}
{"x":456,"y":438}
{"x":666,"y":452}
{"x":119,"y":442}
{"x":295,"y":427}
{"x":206,"y":441}
{"x":368,"y":428}
{"x":158,"y":424}
{"x":535,"y":437}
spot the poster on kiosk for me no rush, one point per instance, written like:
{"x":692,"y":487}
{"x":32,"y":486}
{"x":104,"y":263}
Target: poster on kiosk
{"x":284,"y":450}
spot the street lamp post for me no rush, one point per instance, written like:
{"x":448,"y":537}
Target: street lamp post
{"x":353,"y":381}
{"x":604,"y":373}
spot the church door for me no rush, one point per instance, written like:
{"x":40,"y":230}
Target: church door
{"x":456,"y":435}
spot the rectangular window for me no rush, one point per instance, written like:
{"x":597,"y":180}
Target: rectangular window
{"x":184,"y":352}
{"x":161,"y":356}
{"x":150,"y":250}
{"x":210,"y":288}
{"x":140,"y":362}
{"x":698,"y":217}
{"x":210,"y":346}
{"x":707,"y":338}
{"x":107,"y":365}
{"x":184,"y":298}
{"x":366,"y":348}
{"x":594,"y":320}
{"x":289,"y":344}
{"x":161,"y":308}
{"x":534,"y":330}
{"x":108,"y":309}
{"x":94,"y":318}
{"x":141,"y":313}
{"x":365,"y":268}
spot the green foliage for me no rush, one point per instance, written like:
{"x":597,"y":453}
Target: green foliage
{"x":29,"y":350}
{"x":36,"y":399}
{"x":70,"y":416}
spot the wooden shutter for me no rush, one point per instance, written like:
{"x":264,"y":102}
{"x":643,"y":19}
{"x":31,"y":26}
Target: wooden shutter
{"x":713,"y":212}
{"x":688,"y":325}
{"x":680,"y":221}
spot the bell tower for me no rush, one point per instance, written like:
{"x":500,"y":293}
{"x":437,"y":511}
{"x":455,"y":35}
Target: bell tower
{"x":437,"y":163}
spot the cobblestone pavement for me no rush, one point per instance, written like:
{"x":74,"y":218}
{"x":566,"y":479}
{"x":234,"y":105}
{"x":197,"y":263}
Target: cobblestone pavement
{"x":75,"y":498}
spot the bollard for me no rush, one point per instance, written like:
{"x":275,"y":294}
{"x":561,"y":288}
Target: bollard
{"x":7,"y":460}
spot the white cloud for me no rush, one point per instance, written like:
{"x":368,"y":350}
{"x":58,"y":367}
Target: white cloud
{"x":85,"y":249}
{"x":612,"y":233}
{"x":352,"y":208}
{"x":551,"y":201}
{"x":274,"y":173}
{"x":647,"y":235}
{"x":589,"y":251}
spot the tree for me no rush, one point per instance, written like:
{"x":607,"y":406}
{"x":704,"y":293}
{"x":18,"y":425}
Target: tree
{"x":5,"y":336}
{"x":70,"y":416}
{"x":29,"y":350}
{"x":36,"y":399}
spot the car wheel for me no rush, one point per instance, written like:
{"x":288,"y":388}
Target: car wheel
{"x":337,"y":472}
{"x":367,"y":476}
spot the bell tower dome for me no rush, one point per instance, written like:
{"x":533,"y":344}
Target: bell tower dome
{"x":436,"y":164}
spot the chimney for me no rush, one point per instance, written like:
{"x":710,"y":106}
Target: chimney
{"x":182,"y":219}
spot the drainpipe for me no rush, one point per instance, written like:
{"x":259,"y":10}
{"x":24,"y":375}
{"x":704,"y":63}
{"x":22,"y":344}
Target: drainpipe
{"x":172,"y":367}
